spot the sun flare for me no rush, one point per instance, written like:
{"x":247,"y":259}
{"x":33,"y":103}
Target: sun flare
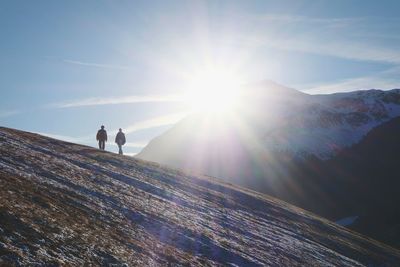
{"x":213,"y":90}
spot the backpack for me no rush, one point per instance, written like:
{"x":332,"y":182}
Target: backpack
{"x":101,"y":135}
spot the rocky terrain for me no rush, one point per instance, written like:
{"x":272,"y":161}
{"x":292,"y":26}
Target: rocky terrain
{"x":66,"y":204}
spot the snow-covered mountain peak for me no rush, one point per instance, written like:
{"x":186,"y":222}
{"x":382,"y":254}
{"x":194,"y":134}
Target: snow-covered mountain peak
{"x":325,"y":124}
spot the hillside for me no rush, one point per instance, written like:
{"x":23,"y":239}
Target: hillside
{"x":66,"y":204}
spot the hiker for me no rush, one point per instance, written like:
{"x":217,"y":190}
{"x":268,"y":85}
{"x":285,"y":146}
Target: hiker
{"x":120,"y":140}
{"x":102,"y":137}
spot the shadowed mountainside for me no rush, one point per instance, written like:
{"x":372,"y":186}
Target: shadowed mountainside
{"x":366,"y":178}
{"x":66,"y":204}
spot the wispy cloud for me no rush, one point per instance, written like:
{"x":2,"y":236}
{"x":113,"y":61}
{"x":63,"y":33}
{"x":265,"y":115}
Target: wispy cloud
{"x":95,"y":101}
{"x":383,"y":80}
{"x":286,"y":18}
{"x":342,"y":48}
{"x":357,"y":39}
{"x":138,"y":126}
{"x":96,"y":65}
{"x":155,"y":122}
{"x":350,"y":38}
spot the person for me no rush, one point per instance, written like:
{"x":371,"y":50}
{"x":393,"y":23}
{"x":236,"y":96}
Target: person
{"x":102,"y":137}
{"x":120,"y":140}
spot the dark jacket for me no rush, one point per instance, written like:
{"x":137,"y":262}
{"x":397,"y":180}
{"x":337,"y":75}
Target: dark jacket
{"x":101,"y":135}
{"x":120,"y":138}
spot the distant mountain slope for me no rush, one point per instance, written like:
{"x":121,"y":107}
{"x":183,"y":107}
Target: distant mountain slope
{"x":66,"y":204}
{"x":273,"y":118}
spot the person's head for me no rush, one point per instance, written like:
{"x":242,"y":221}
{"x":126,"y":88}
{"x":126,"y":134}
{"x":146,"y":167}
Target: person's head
{"x":120,"y":129}
{"x":102,"y":126}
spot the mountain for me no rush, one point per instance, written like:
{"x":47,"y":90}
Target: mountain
{"x":67,"y":204}
{"x":300,"y":148}
{"x":280,"y":119}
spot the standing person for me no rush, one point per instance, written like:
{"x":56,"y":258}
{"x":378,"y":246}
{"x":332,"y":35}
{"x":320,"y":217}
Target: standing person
{"x":120,"y":140}
{"x":102,"y":137}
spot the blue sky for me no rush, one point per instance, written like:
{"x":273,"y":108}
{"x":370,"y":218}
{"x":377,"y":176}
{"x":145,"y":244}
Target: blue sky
{"x":66,"y":67}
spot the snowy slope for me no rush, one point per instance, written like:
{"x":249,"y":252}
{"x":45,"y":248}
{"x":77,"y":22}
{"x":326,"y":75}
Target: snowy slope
{"x":326,"y":124}
{"x":66,"y":204}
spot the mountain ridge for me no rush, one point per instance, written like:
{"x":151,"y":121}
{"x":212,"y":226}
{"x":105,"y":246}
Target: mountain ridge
{"x":319,"y":125}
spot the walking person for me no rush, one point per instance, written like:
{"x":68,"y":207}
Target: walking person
{"x":120,"y":140}
{"x":102,"y":137}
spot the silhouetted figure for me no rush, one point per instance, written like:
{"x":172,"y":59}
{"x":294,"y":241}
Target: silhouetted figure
{"x":120,"y":140}
{"x":102,"y":137}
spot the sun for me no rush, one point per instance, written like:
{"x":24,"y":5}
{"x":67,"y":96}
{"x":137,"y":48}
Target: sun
{"x":213,"y":91}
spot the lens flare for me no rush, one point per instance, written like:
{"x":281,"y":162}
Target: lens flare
{"x":213,"y":90}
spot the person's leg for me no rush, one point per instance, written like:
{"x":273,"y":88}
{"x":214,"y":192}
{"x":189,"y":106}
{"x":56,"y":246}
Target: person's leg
{"x":103,"y":144}
{"x":120,"y":149}
{"x":99,"y":144}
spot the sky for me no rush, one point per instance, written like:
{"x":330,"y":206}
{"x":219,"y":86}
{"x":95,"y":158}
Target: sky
{"x":67,"y":67}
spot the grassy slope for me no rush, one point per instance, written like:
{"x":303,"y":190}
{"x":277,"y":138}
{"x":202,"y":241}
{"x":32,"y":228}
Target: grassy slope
{"x":63,"y":203}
